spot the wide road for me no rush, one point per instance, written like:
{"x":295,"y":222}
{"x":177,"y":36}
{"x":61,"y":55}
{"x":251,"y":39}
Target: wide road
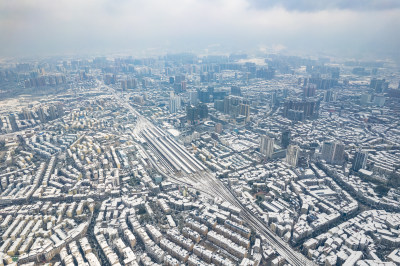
{"x":206,"y":182}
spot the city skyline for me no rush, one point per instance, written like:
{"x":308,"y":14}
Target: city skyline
{"x":356,"y":29}
{"x":200,"y":132}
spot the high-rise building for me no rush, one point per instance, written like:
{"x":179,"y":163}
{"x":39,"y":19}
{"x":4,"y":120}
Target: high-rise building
{"x":297,"y":110}
{"x":309,"y":90}
{"x":235,"y":106}
{"x":285,"y":93}
{"x":196,"y":113}
{"x":333,"y":152}
{"x":218,"y":128}
{"x":274,"y":98}
{"x":235,"y":90}
{"x":179,"y":78}
{"x":27,"y":114}
{"x":52,"y":112}
{"x":299,"y":81}
{"x":365,"y":99}
{"x":378,"y":85}
{"x":292,"y":155}
{"x":285,"y":139}
{"x":193,"y":99}
{"x":267,"y":146}
{"x":360,"y":160}
{"x":174,"y":103}
{"x":13,"y":122}
{"x":329,"y":96}
{"x":42,"y":114}
{"x":60,"y":109}
{"x":379,"y":100}
{"x":327,"y":150}
{"x":204,"y":96}
{"x":338,"y":155}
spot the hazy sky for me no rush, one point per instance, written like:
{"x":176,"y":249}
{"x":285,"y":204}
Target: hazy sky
{"x":354,"y":27}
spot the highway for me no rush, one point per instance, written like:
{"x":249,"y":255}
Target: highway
{"x":199,"y":178}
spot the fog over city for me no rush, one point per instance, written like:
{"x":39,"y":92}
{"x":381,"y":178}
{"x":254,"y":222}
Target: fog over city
{"x":354,"y":29}
{"x":200,"y":132}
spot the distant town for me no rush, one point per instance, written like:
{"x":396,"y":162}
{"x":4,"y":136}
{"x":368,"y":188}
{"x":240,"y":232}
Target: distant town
{"x":184,"y":159}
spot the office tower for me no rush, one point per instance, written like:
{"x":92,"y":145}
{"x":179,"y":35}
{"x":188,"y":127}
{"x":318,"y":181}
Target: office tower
{"x":360,"y":160}
{"x":267,"y":146}
{"x":235,"y":90}
{"x":333,"y":152}
{"x":174,"y":103}
{"x":292,"y":155}
{"x":285,"y":139}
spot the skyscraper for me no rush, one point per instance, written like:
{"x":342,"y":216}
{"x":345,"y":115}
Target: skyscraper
{"x":329,"y":96}
{"x":267,"y":146}
{"x":285,"y":139}
{"x":327,"y":151}
{"x":13,"y":122}
{"x":174,"y":103}
{"x":235,"y":90}
{"x":292,"y":155}
{"x":193,"y":97}
{"x":365,"y":99}
{"x":333,"y":152}
{"x":338,"y":154}
{"x":309,"y":90}
{"x":236,"y":106}
{"x":360,"y":160}
{"x":297,"y":109}
{"x":378,"y":85}
{"x":218,"y":128}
